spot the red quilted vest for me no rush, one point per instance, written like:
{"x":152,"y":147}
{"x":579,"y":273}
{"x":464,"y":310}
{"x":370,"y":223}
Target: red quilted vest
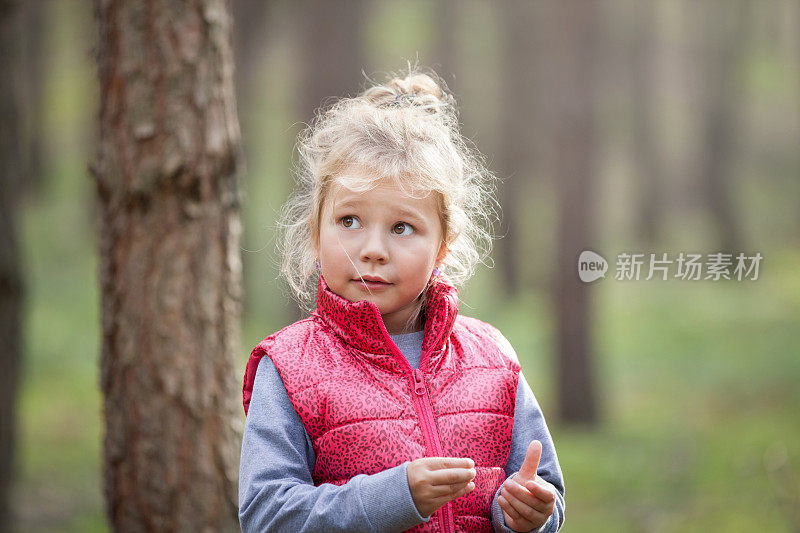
{"x":366,"y":410}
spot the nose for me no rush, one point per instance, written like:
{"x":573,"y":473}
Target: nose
{"x":373,"y":248}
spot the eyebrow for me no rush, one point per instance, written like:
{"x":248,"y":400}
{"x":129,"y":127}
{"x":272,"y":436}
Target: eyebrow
{"x":410,"y":213}
{"x":402,"y":211}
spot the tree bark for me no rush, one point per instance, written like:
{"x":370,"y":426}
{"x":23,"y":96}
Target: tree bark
{"x":11,"y":281}
{"x":573,"y":123}
{"x":166,"y":177}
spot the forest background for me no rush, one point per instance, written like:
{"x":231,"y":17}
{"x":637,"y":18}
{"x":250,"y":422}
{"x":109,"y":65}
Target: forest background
{"x":692,"y":147}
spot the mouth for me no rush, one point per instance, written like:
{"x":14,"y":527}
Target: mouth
{"x":376,"y":279}
{"x":372,"y":283}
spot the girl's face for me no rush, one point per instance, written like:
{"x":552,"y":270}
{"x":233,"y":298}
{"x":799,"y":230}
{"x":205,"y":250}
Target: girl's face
{"x":381,"y":246}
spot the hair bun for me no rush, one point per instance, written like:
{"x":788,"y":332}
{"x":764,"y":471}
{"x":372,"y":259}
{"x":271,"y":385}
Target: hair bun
{"x":418,"y":89}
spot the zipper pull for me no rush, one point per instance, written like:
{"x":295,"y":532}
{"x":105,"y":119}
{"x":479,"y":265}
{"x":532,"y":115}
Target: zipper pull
{"x":419,"y":382}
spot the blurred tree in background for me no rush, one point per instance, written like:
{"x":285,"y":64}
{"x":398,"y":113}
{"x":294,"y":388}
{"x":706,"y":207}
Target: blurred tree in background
{"x":12,"y":182}
{"x":573,"y":67}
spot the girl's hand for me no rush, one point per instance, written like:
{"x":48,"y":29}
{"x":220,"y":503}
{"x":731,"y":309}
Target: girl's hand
{"x":527,"y":500}
{"x":526,"y":507}
{"x":434,"y":481}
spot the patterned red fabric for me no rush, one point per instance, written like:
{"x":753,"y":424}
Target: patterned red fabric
{"x":355,"y":394}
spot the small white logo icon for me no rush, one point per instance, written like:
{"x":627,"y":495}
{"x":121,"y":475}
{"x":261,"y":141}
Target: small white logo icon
{"x":591,"y":266}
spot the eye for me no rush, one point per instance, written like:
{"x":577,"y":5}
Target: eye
{"x":403,"y":227}
{"x":348,"y":221}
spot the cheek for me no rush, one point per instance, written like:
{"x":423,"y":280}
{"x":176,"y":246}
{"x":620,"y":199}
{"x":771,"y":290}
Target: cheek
{"x":334,"y":252}
{"x":338,"y":245}
{"x":420,"y":254}
{"x":325,"y":248}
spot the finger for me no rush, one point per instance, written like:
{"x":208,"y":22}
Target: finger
{"x":531,"y":462}
{"x":542,"y":491}
{"x":449,"y":496}
{"x":527,"y":512}
{"x":526,"y":496}
{"x":512,"y":518}
{"x":518,"y":525}
{"x":451,"y":476}
{"x":443,"y":491}
{"x":439,"y":463}
{"x":508,"y":509}
{"x":456,"y":487}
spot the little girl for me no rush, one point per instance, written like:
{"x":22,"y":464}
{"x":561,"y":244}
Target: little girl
{"x":386,"y":410}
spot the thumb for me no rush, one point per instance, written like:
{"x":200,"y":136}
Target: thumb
{"x":531,"y":463}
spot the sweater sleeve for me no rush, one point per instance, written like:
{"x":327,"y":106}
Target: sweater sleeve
{"x":276,"y":489}
{"x":529,"y":425}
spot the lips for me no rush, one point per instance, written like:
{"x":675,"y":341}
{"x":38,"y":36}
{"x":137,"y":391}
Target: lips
{"x":372,"y":283}
{"x":375,"y":279}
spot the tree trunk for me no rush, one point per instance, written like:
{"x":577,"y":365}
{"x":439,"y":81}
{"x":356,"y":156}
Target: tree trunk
{"x":722,"y":39}
{"x":34,"y":150}
{"x":166,"y":177}
{"x":518,"y":118}
{"x":11,"y":282}
{"x":446,"y":41}
{"x":646,"y":158}
{"x":251,"y":33}
{"x":573,"y":124}
{"x":332,"y":51}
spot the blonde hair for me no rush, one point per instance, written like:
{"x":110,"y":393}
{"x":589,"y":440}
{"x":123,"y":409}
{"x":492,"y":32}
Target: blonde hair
{"x":405,"y":131}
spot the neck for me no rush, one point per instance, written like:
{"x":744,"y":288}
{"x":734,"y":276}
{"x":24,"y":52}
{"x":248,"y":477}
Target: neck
{"x":399,"y":330}
{"x":415,"y":321}
{"x":404,"y":332}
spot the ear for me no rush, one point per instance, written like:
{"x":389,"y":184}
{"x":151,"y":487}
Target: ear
{"x":314,"y":238}
{"x":443,"y":251}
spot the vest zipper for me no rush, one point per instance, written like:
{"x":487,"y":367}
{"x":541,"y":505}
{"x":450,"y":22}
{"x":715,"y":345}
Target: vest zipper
{"x":432,"y":436}
{"x":422,"y":401}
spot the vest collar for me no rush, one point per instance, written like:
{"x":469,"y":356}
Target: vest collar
{"x":360,"y":324}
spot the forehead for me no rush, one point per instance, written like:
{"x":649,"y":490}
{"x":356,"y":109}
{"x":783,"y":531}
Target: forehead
{"x":386,"y":195}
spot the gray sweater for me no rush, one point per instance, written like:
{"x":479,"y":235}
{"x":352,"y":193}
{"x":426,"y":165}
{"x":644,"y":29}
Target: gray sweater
{"x":277,"y":492}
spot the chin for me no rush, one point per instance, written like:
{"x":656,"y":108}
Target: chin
{"x":360,"y":297}
{"x":377,"y":301}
